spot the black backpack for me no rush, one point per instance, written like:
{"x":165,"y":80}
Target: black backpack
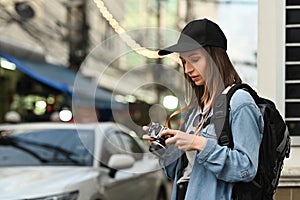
{"x":274,"y":148}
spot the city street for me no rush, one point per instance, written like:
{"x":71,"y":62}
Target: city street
{"x":80,"y":78}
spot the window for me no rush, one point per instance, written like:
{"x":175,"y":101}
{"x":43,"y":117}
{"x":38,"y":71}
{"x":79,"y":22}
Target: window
{"x":131,"y":146}
{"x":292,"y":66}
{"x":117,"y":142}
{"x":54,"y":147}
{"x":111,"y":146}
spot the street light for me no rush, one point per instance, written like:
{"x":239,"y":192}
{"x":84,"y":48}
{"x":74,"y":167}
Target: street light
{"x":65,"y":115}
{"x":170,"y":102}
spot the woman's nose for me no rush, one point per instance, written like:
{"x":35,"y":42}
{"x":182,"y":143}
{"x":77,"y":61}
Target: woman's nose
{"x":188,"y":68}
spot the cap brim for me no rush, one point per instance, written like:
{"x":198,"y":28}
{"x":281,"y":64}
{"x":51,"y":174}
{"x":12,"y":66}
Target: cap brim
{"x":179,"y":48}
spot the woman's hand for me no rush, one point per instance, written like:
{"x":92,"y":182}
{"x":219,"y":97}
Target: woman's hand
{"x":183,"y":141}
{"x":147,"y":137}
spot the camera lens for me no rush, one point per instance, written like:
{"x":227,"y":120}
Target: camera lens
{"x":157,"y":148}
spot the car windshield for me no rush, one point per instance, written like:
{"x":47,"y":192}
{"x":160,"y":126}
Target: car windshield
{"x":46,"y":147}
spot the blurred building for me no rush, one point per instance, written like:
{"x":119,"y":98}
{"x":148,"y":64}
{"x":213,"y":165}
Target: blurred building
{"x":279,"y":78}
{"x":36,"y":90}
{"x":112,"y":43}
{"x":58,"y":29}
{"x":47,"y":43}
{"x":42,"y":45}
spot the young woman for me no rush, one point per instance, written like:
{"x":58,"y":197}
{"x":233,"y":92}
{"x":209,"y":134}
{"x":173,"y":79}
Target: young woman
{"x":198,"y":165}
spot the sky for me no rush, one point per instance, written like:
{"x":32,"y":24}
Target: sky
{"x":240,"y":23}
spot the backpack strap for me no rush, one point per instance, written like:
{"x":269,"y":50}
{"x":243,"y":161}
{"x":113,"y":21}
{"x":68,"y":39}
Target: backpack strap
{"x":221,"y":111}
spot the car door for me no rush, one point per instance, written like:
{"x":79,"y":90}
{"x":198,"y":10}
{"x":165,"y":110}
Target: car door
{"x":135,"y":182}
{"x":121,"y":185}
{"x":144,"y":171}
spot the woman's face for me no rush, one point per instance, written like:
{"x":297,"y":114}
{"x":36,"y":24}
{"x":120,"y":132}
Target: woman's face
{"x":194,"y":65}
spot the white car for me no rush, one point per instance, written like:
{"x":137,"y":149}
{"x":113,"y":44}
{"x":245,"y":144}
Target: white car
{"x":101,"y":161}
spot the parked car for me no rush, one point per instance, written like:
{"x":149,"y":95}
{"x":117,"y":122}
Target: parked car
{"x":64,"y":161}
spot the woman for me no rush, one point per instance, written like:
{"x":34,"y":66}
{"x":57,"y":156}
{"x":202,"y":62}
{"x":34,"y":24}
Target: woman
{"x":199,"y":166}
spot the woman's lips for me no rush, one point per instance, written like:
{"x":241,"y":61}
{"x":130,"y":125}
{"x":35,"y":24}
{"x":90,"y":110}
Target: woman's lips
{"x":194,"y":78}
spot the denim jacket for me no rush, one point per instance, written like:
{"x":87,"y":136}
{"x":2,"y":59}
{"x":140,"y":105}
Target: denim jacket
{"x":216,"y":167}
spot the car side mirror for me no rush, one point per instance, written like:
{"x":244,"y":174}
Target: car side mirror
{"x":119,"y":161}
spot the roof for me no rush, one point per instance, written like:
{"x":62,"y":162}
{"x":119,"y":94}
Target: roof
{"x":103,"y":126}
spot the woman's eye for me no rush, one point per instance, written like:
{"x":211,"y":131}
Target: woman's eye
{"x":194,"y":60}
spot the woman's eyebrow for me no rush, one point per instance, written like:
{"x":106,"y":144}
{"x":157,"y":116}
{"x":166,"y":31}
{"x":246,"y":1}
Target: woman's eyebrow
{"x":193,"y":54}
{"x":190,"y":55}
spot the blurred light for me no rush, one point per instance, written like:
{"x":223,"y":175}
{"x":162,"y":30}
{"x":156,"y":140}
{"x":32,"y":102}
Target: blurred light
{"x":40,"y":104}
{"x":6,"y":64}
{"x":50,"y":100}
{"x":12,"y":116}
{"x":170,"y":102}
{"x":130,"y":98}
{"x":120,"y":98}
{"x":40,"y":107}
{"x":65,"y":115}
{"x":122,"y":32}
{"x":54,"y":117}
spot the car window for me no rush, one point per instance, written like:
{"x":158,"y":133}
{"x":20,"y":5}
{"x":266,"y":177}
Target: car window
{"x":111,"y":145}
{"x":131,"y":146}
{"x":47,"y":147}
{"x":117,"y":142}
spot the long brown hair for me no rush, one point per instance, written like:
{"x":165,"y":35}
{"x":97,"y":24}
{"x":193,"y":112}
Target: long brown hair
{"x":220,"y":74}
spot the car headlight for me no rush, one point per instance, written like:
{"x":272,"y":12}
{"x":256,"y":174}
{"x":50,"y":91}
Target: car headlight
{"x":64,"y":196}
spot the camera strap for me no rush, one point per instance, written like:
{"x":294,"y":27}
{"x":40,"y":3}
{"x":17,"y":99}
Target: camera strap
{"x":205,"y":121}
{"x":168,"y":122}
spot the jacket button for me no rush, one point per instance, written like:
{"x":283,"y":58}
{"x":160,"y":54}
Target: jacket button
{"x":245,"y":174}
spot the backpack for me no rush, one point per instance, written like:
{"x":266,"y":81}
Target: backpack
{"x":274,"y":148}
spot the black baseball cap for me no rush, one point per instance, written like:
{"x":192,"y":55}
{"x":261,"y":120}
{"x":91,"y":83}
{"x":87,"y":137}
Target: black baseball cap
{"x":196,"y":34}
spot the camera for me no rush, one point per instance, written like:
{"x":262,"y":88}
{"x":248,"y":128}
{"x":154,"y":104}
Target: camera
{"x":158,"y":146}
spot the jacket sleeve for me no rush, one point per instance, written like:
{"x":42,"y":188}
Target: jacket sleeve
{"x":239,"y":163}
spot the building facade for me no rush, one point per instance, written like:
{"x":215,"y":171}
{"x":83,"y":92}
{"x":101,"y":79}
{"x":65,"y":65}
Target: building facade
{"x":279,"y":77}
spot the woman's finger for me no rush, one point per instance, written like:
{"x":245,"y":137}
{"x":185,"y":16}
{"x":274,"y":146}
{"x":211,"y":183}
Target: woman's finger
{"x":146,"y":128}
{"x":147,"y":137}
{"x":168,"y":132}
{"x":170,"y":140}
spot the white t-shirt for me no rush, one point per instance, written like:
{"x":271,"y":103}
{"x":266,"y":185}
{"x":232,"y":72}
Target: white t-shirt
{"x":192,"y":125}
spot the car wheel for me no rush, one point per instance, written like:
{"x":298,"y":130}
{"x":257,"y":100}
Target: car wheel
{"x":162,"y":194}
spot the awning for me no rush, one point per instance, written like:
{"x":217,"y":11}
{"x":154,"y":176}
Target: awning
{"x":83,"y":91}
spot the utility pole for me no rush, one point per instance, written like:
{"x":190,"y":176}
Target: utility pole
{"x":158,"y":66}
{"x":189,"y":11}
{"x":77,"y":32}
